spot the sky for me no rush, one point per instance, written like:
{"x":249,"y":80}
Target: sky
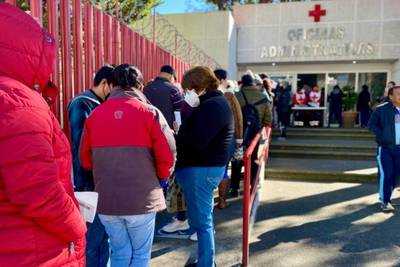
{"x":182,"y":6}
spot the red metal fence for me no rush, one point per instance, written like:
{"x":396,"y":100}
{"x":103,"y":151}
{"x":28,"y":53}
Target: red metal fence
{"x":250,"y":187}
{"x":86,"y":39}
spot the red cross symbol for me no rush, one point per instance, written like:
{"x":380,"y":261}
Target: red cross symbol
{"x":317,"y":13}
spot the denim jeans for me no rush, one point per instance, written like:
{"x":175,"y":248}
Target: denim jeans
{"x":97,"y":250}
{"x":198,"y":184}
{"x":131,"y":238}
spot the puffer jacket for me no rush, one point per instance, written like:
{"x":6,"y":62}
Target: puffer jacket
{"x":39,"y":216}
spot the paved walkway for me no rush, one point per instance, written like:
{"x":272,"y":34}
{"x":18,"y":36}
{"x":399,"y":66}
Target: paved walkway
{"x":301,"y":224}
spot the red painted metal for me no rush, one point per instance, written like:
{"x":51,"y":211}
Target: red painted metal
{"x":107,"y":38}
{"x":89,"y":52}
{"x":65,"y":18}
{"x":12,"y":2}
{"x":37,"y":10}
{"x":250,"y":190}
{"x":98,"y":40}
{"x":95,"y":39}
{"x":78,"y":54}
{"x":53,"y":28}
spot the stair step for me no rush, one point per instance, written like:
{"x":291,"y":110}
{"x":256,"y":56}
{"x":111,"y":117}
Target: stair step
{"x":322,"y":147}
{"x":328,"y":135}
{"x":278,"y":174}
{"x":315,"y":154}
{"x":328,"y":130}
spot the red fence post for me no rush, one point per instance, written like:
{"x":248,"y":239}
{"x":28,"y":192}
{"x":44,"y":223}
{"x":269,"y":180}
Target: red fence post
{"x":78,"y":69}
{"x":37,"y":10}
{"x":98,"y":40}
{"x":12,"y":2}
{"x":66,"y":59}
{"x":89,"y":55}
{"x":107,"y":38}
{"x":52,"y":9}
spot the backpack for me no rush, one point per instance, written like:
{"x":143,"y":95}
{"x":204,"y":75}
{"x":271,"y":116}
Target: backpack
{"x":251,"y":120}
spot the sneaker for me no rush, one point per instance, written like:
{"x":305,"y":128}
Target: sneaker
{"x":388,"y":207}
{"x":175,"y":226}
{"x":193,"y":237}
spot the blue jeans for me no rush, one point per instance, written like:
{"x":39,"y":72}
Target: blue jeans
{"x":97,"y":250}
{"x":131,"y":238}
{"x":198,"y":184}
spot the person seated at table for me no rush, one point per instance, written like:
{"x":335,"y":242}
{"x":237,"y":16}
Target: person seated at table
{"x":299,"y":100}
{"x":314,"y":100}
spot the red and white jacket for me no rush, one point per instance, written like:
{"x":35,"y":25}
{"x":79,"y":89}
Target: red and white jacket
{"x":130,"y":147}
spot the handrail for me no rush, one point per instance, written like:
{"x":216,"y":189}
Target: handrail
{"x":250,"y":190}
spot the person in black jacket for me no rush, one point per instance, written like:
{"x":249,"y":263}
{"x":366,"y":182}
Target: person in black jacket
{"x":79,"y":109}
{"x":164,"y":95}
{"x":364,"y":106}
{"x":385,"y":124}
{"x":336,"y":106}
{"x":203,"y":144}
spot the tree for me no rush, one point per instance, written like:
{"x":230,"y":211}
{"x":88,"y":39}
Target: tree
{"x":228,"y":4}
{"x":127,"y":11}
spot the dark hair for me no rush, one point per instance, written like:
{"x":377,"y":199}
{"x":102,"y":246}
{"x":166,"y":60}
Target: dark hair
{"x":336,"y":87}
{"x":168,"y":69}
{"x":247,"y":80}
{"x":392,"y":82}
{"x":391,"y":90}
{"x":365,"y":87}
{"x":221,"y":74}
{"x":127,"y":76}
{"x":263,"y":76}
{"x":105,"y":72}
{"x":200,"y":77}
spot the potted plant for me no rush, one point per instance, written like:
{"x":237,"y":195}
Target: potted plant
{"x":349,"y":103}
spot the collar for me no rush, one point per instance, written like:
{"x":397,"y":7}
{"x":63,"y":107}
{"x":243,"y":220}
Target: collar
{"x":101,"y":100}
{"x":210,"y":94}
{"x":162,"y":79}
{"x":134,"y":93}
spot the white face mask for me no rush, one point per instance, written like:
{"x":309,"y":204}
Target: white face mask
{"x":192,"y":98}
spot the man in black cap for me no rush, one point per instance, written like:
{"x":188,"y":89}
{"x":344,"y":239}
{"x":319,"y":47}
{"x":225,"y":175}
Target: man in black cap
{"x":164,"y":95}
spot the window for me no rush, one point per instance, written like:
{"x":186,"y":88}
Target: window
{"x":376,"y":83}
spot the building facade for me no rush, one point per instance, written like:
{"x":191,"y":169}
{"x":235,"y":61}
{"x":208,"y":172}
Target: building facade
{"x":325,"y":43}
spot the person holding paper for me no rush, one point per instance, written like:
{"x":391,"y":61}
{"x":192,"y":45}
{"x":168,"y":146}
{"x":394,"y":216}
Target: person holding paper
{"x":79,"y":109}
{"x":164,"y":95}
{"x":131,"y":153}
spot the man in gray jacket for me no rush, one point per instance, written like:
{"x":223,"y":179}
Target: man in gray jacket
{"x":385,"y":124}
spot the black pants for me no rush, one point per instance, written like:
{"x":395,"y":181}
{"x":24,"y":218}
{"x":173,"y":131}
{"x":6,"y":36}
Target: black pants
{"x":237,"y":170}
{"x":365,"y":114}
{"x":284,"y":122}
{"x":336,"y":115}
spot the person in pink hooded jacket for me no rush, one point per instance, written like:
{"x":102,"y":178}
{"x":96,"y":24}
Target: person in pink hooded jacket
{"x":40,"y":223}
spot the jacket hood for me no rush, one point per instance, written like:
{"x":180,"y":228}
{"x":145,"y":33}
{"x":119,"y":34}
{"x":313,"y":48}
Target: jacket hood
{"x":27,"y":51}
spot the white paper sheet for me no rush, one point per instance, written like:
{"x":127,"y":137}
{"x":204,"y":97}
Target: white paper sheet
{"x":87,"y":204}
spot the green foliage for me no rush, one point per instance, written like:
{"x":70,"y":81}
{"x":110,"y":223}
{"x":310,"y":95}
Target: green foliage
{"x":349,"y":98}
{"x":127,"y":11}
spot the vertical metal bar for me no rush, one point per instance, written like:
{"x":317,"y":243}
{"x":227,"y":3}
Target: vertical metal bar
{"x":117,"y":40}
{"x":12,"y":2}
{"x":125,"y":45}
{"x":37,"y":10}
{"x":113,"y":41}
{"x":78,"y":70}
{"x":89,"y":55}
{"x":98,"y":41}
{"x":52,"y":9}
{"x":66,"y":59}
{"x":134,"y":48}
{"x":107,"y":38}
{"x":129,"y":44}
{"x":246,"y":210}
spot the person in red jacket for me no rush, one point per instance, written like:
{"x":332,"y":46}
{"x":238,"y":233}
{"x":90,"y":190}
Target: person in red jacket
{"x":129,"y":146}
{"x":40,"y":223}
